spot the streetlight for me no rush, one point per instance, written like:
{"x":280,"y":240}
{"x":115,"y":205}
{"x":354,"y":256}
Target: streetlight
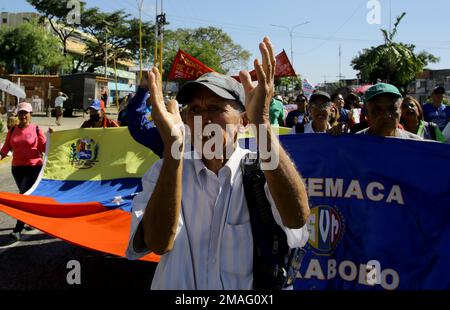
{"x":107,"y":24}
{"x":291,"y":31}
{"x":140,"y":5}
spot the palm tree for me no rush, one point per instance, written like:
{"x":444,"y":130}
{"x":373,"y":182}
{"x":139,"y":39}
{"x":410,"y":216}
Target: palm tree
{"x":393,"y":62}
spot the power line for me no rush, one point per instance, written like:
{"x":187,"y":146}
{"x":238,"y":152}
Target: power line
{"x":338,"y":29}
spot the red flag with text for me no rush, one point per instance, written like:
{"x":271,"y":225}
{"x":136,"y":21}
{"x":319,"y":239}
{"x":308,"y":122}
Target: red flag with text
{"x":283,"y":68}
{"x":187,"y":67}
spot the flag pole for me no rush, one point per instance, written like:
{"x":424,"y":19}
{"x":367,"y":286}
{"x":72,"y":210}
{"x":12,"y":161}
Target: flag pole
{"x":155,"y":54}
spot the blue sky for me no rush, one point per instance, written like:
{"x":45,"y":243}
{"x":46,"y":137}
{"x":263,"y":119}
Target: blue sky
{"x":315,"y":45}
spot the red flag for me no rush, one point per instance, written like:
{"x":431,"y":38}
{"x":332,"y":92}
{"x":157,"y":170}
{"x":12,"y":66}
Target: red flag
{"x":187,"y":67}
{"x":283,"y":68}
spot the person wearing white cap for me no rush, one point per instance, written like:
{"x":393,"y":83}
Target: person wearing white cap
{"x":27,"y":142}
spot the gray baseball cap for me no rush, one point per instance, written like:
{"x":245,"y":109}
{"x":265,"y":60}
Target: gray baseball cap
{"x":319,"y":94}
{"x":222,"y":85}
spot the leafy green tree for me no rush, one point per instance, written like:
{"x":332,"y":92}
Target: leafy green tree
{"x":212,"y":46}
{"x":56,"y":13}
{"x":393,"y":62}
{"x":294,"y":82}
{"x":119,"y":33}
{"x":30,"y":49}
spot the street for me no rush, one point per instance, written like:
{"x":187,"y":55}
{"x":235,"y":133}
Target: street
{"x":40,"y":261}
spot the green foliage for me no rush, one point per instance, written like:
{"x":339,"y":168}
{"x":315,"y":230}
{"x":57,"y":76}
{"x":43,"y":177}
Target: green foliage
{"x":56,"y":13}
{"x":30,"y":49}
{"x":394,"y":62}
{"x":119,"y":32}
{"x":294,"y":81}
{"x":212,"y":46}
{"x":2,"y":127}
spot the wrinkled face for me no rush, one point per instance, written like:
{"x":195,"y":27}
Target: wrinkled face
{"x":214,"y":119}
{"x":24,"y":118}
{"x":339,"y":101}
{"x":384,"y":113}
{"x":320,"y":110}
{"x":409,"y":111}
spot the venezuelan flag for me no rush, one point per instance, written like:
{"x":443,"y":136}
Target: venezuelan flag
{"x":84,"y":192}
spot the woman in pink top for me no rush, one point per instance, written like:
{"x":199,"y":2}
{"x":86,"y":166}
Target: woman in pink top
{"x":27,"y":142}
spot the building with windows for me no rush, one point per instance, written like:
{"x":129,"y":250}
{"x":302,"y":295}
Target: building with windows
{"x":426,"y":81}
{"x":76,"y":45}
{"x":15,"y":19}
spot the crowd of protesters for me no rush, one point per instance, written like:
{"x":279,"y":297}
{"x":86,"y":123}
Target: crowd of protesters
{"x":356,"y":113}
{"x":180,"y":193}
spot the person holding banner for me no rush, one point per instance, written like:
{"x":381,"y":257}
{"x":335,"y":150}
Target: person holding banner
{"x":27,"y":142}
{"x":412,"y":120}
{"x":320,"y":111}
{"x":383,"y":103}
{"x":299,"y":115}
{"x":97,"y":116}
{"x":437,"y":111}
{"x":139,"y":126}
{"x":192,"y":209}
{"x":339,"y":103}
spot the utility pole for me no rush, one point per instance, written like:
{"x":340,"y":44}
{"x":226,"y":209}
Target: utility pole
{"x":106,"y":52}
{"x":107,"y":24}
{"x":140,"y":5}
{"x":291,"y":32}
{"x":161,"y":23}
{"x":159,"y":36}
{"x":340,"y":63}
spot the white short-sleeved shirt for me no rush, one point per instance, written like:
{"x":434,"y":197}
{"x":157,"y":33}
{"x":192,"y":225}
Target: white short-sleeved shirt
{"x":309,"y":129}
{"x":213,"y":247}
{"x":59,"y":101}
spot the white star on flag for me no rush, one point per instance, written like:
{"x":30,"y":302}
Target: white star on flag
{"x":118,"y":200}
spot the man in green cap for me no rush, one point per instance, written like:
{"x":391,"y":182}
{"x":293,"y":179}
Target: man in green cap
{"x":383,"y":104}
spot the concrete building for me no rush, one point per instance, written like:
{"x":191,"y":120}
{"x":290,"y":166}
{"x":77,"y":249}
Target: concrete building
{"x":76,"y":45}
{"x":426,"y":81}
{"x":15,"y":19}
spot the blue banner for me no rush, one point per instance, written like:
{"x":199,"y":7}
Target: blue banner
{"x":380,"y":212}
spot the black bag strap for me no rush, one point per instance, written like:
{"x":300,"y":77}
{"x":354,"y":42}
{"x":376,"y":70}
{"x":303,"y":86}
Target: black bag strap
{"x":274,"y":264}
{"x":299,"y":128}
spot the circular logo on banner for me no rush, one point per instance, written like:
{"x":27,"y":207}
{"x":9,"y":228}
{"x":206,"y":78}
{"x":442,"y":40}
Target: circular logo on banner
{"x":326,"y":228}
{"x":84,"y":153}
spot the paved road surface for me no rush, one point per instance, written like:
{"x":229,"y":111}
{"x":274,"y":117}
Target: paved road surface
{"x":40,"y":261}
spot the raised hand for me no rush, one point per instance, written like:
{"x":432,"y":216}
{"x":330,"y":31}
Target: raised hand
{"x":167,"y":119}
{"x":257,"y":99}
